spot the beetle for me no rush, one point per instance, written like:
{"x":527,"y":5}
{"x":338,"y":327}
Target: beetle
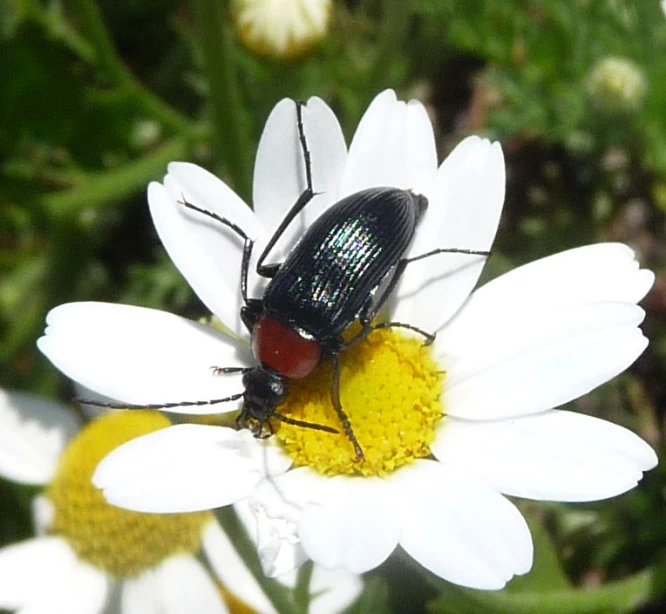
{"x":341,"y":271}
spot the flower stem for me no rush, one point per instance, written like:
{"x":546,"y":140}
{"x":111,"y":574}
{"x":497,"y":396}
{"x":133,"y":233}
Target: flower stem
{"x":232,"y":145}
{"x":108,"y":60}
{"x":395,"y":23}
{"x":93,"y":190}
{"x":626,"y":595}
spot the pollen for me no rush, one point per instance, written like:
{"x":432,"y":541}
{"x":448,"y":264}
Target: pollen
{"x":390,"y":388}
{"x":119,"y":542}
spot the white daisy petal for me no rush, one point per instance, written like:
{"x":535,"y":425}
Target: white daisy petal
{"x":494,"y":343}
{"x":85,"y":593}
{"x":605,"y":272}
{"x":34,"y":433}
{"x":205,"y":251}
{"x":213,"y":466}
{"x":393,"y":146}
{"x":232,"y":570}
{"x":39,"y":561}
{"x":143,"y":356}
{"x":63,"y":583}
{"x":545,"y":377}
{"x":461,"y":531}
{"x":179,"y":585}
{"x":356,"y":528}
{"x":279,"y":175}
{"x":42,"y":514}
{"x":272,"y":523}
{"x":333,"y":590}
{"x":465,"y":202}
{"x":556,"y":455}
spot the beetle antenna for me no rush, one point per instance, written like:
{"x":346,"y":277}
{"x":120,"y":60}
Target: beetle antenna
{"x":218,"y":218}
{"x":233,"y":397}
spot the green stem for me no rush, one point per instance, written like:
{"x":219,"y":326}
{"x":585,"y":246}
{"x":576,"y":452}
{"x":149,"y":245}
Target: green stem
{"x":112,"y":187}
{"x":108,"y":60}
{"x":395,"y":21}
{"x":278,"y":595}
{"x":232,"y":145}
{"x":621,"y":596}
{"x":302,"y":589}
{"x":57,"y":26}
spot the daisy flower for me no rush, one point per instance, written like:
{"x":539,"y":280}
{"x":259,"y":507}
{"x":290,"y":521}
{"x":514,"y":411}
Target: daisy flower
{"x":89,"y":556}
{"x":447,"y":430}
{"x":281,"y":28}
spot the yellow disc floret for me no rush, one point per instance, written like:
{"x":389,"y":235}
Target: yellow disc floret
{"x":390,"y":388}
{"x":119,"y":542}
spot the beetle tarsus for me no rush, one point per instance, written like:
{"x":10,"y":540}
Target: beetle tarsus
{"x":449,"y":250}
{"x":225,"y":370}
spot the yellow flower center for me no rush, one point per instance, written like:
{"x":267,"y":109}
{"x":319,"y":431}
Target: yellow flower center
{"x":119,"y":542}
{"x":390,"y":387}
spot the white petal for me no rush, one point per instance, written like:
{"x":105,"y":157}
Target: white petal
{"x":465,"y":203}
{"x":43,"y":575}
{"x":333,"y":590}
{"x":545,"y":377}
{"x":461,"y":531}
{"x":355,"y":528}
{"x":495,"y":343}
{"x":279,"y":175}
{"x":34,"y":433}
{"x":272,"y":523}
{"x":85,"y":593}
{"x":143,"y":356}
{"x":43,"y":512}
{"x":605,"y":272}
{"x":213,"y":466}
{"x":393,"y":146}
{"x":30,"y":563}
{"x":180,"y":585}
{"x":232,"y":571}
{"x":556,"y":455}
{"x":206,"y":252}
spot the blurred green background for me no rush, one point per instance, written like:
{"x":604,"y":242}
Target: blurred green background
{"x":97,"y":97}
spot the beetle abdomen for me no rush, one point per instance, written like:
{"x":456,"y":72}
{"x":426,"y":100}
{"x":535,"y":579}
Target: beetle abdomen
{"x":340,"y":260}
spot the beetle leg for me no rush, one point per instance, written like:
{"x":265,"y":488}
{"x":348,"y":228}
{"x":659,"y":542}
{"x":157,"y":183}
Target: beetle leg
{"x":302,"y":423}
{"x":365,"y":319}
{"x":337,"y":405}
{"x":268,"y":270}
{"x":250,"y":312}
{"x":429,"y":337}
{"x":448,"y":250}
{"x":373,"y":307}
{"x":223,"y":370}
{"x":307,"y":195}
{"x":369,"y":315}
